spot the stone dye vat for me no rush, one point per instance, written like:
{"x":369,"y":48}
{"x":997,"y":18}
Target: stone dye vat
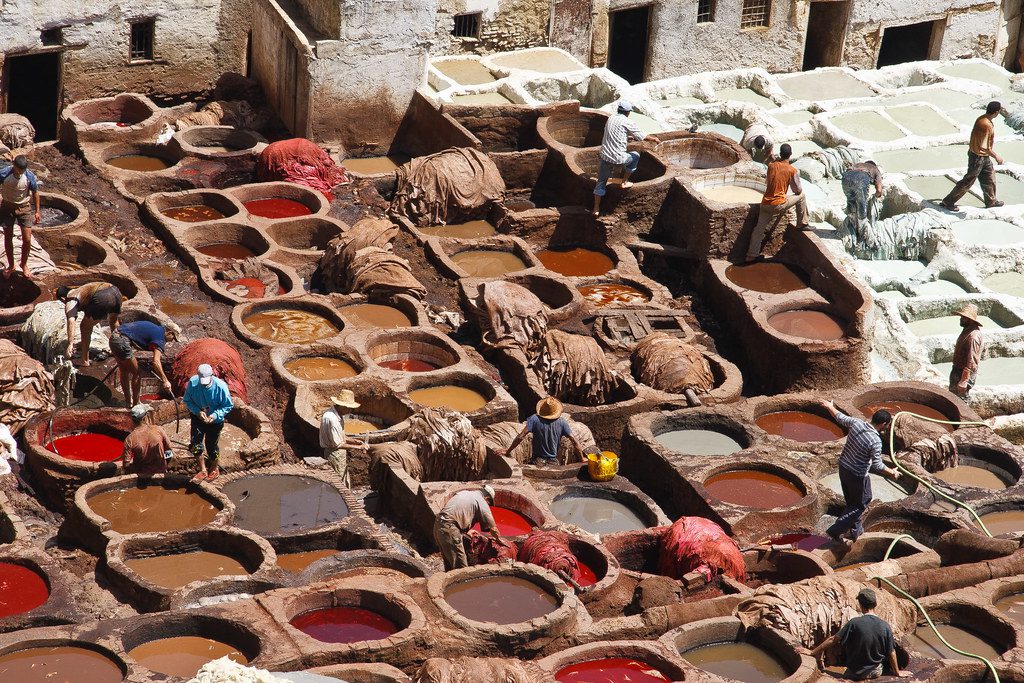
{"x":509,"y":522}
{"x":753,"y":488}
{"x":699,"y":442}
{"x":770,"y":277}
{"x":60,"y":664}
{"x":375,"y":316}
{"x":463,"y":72}
{"x":824,"y":85}
{"x":993,"y":371}
{"x":987,"y":231}
{"x":925,"y":642}
{"x":501,"y":600}
{"x":613,"y":294}
{"x":1011,"y":283}
{"x":576,"y":262}
{"x":867,"y":125}
{"x":744,"y":95}
{"x":226,"y":250}
{"x":806,"y":324}
{"x":320,"y":368}
{"x":1004,"y":522}
{"x":469,"y":230}
{"x":375,"y":165}
{"x":596,"y":514}
{"x":611,"y":669}
{"x":895,"y":407}
{"x":88,"y":447}
{"x":139,"y":162}
{"x":408,"y":365}
{"x":458,"y":398}
{"x":183,"y":656}
{"x":144,"y":509}
{"x":946,"y":324}
{"x":297,"y":562}
{"x":276,"y":207}
{"x":799,"y":425}
{"x":934,"y":188}
{"x":290,"y":325}
{"x":800,"y":540}
{"x":739,"y":661}
{"x":344,"y":624}
{"x":1012,"y":606}
{"x":21,"y":589}
{"x":488,"y":262}
{"x":272,"y":504}
{"x":971,"y":475}
{"x":174,"y":571}
{"x":921,"y":120}
{"x":732,"y":194}
{"x":193,"y":213}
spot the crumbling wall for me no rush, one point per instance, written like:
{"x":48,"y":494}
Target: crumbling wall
{"x":280,"y":62}
{"x":504,"y":25}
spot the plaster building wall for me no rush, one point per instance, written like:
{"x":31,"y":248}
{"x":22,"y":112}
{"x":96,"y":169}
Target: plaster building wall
{"x":504,"y":25}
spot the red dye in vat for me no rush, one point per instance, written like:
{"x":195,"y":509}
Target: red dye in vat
{"x":21,"y":589}
{"x":800,"y":541}
{"x":277,"y":207}
{"x":255,"y":289}
{"x":610,"y":670}
{"x":510,"y":522}
{"x":344,"y":625}
{"x":587,"y":576}
{"x":149,"y":397}
{"x":408,"y":365}
{"x":87,"y":447}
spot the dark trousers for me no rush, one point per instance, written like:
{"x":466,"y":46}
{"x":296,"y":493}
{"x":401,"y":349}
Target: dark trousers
{"x":857,"y":494}
{"x":978,"y":168}
{"x":208,"y":433}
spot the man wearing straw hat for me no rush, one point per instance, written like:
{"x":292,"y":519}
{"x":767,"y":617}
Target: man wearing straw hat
{"x":458,"y":516}
{"x":333,"y":438}
{"x":967,"y":354}
{"x":547,"y":427}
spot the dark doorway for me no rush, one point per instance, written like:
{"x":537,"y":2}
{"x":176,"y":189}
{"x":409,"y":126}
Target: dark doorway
{"x":627,"y":52}
{"x":910,"y":43}
{"x":826,"y":31}
{"x":33,"y":90}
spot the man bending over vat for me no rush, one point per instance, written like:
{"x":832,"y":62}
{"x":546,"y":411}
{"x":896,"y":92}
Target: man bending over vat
{"x":617,"y":133}
{"x":967,"y":354}
{"x":980,"y":154}
{"x":861,"y":455}
{"x":147,"y":448}
{"x":458,"y":516}
{"x":95,"y":301}
{"x":758,"y":143}
{"x":149,"y":336}
{"x":867,"y":642}
{"x":782,"y":176}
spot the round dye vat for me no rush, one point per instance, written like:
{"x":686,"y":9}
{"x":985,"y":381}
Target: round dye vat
{"x":732,"y":194}
{"x":1004,"y":522}
{"x":500,"y":600}
{"x":174,"y":571}
{"x":183,"y":656}
{"x":193,"y":213}
{"x":766,"y":276}
{"x":344,"y":625}
{"x":509,"y":522}
{"x":277,"y":503}
{"x":753,"y":489}
{"x":610,"y":670}
{"x":354,"y":425}
{"x":407,"y":365}
{"x":488,"y":262}
{"x":318,"y":368}
{"x":451,"y":396}
{"x":970,"y":475}
{"x":140,"y":510}
{"x":738,"y":662}
{"x":277,"y":208}
{"x":699,"y":442}
{"x":296,"y":562}
{"x":808,"y":325}
{"x":987,"y":231}
{"x":611,"y":293}
{"x":797,"y":425}
{"x":909,"y":406}
{"x":226,"y":250}
{"x":596,"y":515}
{"x":1012,"y":606}
{"x":1006,"y":283}
{"x":181,"y":309}
{"x":925,"y":642}
{"x":87,"y":447}
{"x":375,"y":315}
{"x":470,"y":230}
{"x":800,"y":540}
{"x":21,"y":589}
{"x":290,"y":326}
{"x":575,"y":262}
{"x":51,"y":216}
{"x":246,"y":287}
{"x":138,"y":162}
{"x":587,"y":576}
{"x":62,"y":664}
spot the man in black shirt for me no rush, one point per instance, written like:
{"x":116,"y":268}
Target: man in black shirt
{"x":867,"y":643}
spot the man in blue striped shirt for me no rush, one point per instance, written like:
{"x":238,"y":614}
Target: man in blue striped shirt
{"x":861,"y":455}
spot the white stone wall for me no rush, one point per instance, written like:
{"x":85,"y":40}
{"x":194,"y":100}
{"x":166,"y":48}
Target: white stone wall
{"x":505,"y":25}
{"x":195,"y":41}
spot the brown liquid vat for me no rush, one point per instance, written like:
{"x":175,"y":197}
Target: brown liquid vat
{"x":157,"y":205}
{"x":63,"y":656}
{"x":377,"y":400}
{"x":482,"y":386}
{"x":445,"y":253}
{"x":976,"y":672}
{"x":160,"y":154}
{"x":286,"y":363}
{"x":757,"y":486}
{"x":314,"y":305}
{"x":78,"y":250}
{"x":248,"y":637}
{"x":370,"y":561}
{"x":997,"y":630}
{"x":938,"y":399}
{"x":895,"y":518}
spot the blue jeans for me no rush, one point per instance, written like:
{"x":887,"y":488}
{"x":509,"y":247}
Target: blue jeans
{"x":857,"y":186}
{"x":604,"y":171}
{"x":857,"y":494}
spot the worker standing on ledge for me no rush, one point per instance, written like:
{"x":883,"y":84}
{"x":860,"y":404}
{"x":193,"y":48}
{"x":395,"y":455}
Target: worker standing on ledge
{"x":758,"y":143}
{"x":459,"y":514}
{"x":967,"y":354}
{"x":980,"y":154}
{"x":861,"y":454}
{"x":334,"y":441}
{"x":618,"y":131}
{"x":782,"y":176}
{"x":209,"y":400}
{"x":867,"y":642}
{"x":18,"y":190}
{"x":547,"y":427}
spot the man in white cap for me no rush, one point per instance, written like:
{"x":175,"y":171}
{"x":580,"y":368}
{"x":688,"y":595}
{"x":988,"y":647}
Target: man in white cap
{"x":333,"y":439}
{"x":458,"y":516}
{"x":147,"y":448}
{"x":209,"y":400}
{"x":967,"y":354}
{"x":617,"y":133}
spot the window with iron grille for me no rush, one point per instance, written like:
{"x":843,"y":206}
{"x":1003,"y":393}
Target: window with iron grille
{"x":755,"y":13}
{"x":141,"y":46}
{"x":705,"y":11}
{"x":467,"y":25}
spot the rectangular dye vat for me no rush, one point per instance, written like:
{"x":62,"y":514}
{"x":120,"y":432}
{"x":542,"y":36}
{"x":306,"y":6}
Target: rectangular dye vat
{"x":824,"y":85}
{"x":922,"y":120}
{"x":993,"y":371}
{"x":744,"y":95}
{"x":944,"y":98}
{"x":927,"y":159}
{"x":686,"y":101}
{"x":793,"y":118}
{"x":481,"y":98}
{"x":934,"y":188}
{"x":977,"y":71}
{"x":867,"y":125}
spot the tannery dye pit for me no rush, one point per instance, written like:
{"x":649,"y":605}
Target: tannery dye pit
{"x":808,"y":325}
{"x":226,"y":250}
{"x":320,"y":368}
{"x":767,"y":276}
{"x":272,"y":504}
{"x":183,"y":655}
{"x":290,"y":326}
{"x":143,"y":509}
{"x":613,"y":293}
{"x":738,"y":661}
{"x":500,"y":600}
{"x":609,"y":670}
{"x":21,"y":589}
{"x":752,"y":488}
{"x":452,"y":396}
{"x":488,"y":262}
{"x":595,"y":514}
{"x":699,"y":442}
{"x":509,"y":522}
{"x":375,"y":316}
{"x":174,"y":571}
{"x":59,"y":664}
{"x":296,"y":562}
{"x":87,"y":447}
{"x":576,"y":262}
{"x":193,"y":213}
{"x":799,"y":425}
{"x":138,"y":162}
{"x":277,"y":208}
{"x":344,"y":625}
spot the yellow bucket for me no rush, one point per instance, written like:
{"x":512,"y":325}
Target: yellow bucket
{"x":602,"y":467}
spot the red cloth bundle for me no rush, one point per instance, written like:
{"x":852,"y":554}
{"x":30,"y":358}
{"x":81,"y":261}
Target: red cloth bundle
{"x":550,"y":549}
{"x":226,"y":362}
{"x":302,"y":162}
{"x":698,"y":544}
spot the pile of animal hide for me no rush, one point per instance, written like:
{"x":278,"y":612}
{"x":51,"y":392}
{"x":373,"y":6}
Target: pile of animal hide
{"x":446,"y":445}
{"x":16,"y":131}
{"x":302,"y":162}
{"x":248,"y":278}
{"x":454,"y":181}
{"x":510,"y":317}
{"x":550,"y":549}
{"x":45,"y":335}
{"x":574,"y":369}
{"x":926,"y":443}
{"x":360,"y":260}
{"x":698,"y":544}
{"x":237,"y":113}
{"x":25,"y":387}
{"x":670,"y":364}
{"x":484,"y":548}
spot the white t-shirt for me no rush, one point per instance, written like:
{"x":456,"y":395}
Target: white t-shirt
{"x":15,"y":190}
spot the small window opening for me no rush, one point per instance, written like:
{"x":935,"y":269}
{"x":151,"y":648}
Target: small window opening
{"x":141,"y":48}
{"x":705,"y":11}
{"x":52,"y":36}
{"x":467,"y":25}
{"x":755,"y":13}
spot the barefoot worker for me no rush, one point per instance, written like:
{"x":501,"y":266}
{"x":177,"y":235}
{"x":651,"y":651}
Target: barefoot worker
{"x":19,"y":190}
{"x":617,"y":133}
